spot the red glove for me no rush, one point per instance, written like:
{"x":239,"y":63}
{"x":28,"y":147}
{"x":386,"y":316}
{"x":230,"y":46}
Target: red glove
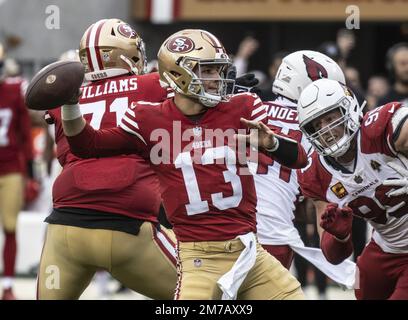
{"x":32,"y":190}
{"x":336,"y":221}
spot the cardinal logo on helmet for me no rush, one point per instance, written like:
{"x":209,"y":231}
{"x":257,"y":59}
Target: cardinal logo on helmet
{"x":180,"y":45}
{"x":315,"y":70}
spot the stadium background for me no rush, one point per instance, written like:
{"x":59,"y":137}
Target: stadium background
{"x":36,"y":32}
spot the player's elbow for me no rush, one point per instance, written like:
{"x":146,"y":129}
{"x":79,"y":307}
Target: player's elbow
{"x":81,"y":152}
{"x":81,"y":145}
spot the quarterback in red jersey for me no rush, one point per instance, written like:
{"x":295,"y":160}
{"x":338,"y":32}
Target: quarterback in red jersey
{"x":207,"y":191}
{"x":15,"y":153}
{"x":105,"y":210}
{"x":354,"y":171}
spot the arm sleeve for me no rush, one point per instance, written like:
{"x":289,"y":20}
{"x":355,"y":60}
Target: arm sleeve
{"x":290,"y":153}
{"x":90,"y":143}
{"x":334,"y":250}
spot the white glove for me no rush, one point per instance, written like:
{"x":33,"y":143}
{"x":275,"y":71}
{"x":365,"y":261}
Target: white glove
{"x":403,"y":182}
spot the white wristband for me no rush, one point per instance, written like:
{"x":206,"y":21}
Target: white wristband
{"x":70,"y":112}
{"x":275,"y":147}
{"x":343,"y":240}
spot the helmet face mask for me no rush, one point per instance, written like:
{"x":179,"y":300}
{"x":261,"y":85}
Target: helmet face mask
{"x":338,"y":108}
{"x":184,"y":61}
{"x":334,"y":138}
{"x":200,"y":81}
{"x":110,"y":48}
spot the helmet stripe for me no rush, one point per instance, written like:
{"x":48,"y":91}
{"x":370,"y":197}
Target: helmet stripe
{"x":92,"y":44}
{"x":98,"y":53}
{"x":88,"y":52}
{"x":215,"y":42}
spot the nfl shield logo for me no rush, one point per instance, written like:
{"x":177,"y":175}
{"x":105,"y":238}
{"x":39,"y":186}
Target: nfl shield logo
{"x":197,"y":263}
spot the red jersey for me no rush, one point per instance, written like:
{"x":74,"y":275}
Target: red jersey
{"x":15,"y":127}
{"x":207,"y":191}
{"x":123,"y":184}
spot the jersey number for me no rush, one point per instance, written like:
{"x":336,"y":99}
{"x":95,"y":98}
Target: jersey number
{"x":284,"y":172}
{"x":98,"y":109}
{"x":196,"y":205}
{"x":5,"y":120}
{"x":380,"y":206}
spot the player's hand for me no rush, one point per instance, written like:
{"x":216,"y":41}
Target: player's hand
{"x":260,"y":135}
{"x":336,"y":221}
{"x":247,"y":83}
{"x":401,"y":183}
{"x":244,"y":83}
{"x":247,"y":80}
{"x":75,"y":98}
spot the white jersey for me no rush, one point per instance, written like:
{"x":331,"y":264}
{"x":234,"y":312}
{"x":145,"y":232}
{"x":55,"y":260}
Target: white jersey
{"x":362,"y":189}
{"x":276,"y":186}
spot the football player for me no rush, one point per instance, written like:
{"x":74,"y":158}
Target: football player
{"x":15,"y":156}
{"x":207,"y":191}
{"x":275,"y":215}
{"x":346,"y":176}
{"x":105,"y":210}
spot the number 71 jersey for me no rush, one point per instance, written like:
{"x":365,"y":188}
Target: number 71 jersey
{"x":362,"y":190}
{"x":104,"y":102}
{"x":131,"y":187}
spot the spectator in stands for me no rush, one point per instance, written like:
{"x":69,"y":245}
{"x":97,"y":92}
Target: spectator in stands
{"x":377,"y":87}
{"x":397,"y":66}
{"x":266,"y":93}
{"x":345,"y":42}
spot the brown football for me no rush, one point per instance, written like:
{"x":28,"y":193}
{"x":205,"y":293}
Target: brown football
{"x":54,"y":85}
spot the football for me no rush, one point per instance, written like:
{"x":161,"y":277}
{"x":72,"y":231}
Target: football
{"x":54,"y":85}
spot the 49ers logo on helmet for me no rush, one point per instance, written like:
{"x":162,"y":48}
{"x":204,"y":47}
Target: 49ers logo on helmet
{"x":314,"y":70}
{"x":127,"y":31}
{"x":180,"y":44}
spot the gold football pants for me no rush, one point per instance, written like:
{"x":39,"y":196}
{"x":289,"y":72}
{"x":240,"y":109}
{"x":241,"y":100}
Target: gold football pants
{"x":203,"y":263}
{"x":11,"y":199}
{"x":71,"y":256}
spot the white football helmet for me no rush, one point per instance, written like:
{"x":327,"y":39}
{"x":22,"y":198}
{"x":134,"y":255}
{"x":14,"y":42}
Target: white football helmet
{"x":301,"y":68}
{"x":320,"y":98}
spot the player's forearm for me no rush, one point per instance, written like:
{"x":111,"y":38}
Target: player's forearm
{"x":289,"y":153}
{"x":335,"y":250}
{"x":72,"y":120}
{"x":90,"y":143}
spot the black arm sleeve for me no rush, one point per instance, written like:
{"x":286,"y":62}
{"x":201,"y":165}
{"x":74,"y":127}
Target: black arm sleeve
{"x":289,"y":153}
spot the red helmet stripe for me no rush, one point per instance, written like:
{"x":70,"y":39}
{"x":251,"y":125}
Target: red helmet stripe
{"x":215,"y":42}
{"x":88,"y":52}
{"x":98,"y":53}
{"x":93,"y":44}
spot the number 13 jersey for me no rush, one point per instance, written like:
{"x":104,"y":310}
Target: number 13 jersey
{"x":207,"y":193}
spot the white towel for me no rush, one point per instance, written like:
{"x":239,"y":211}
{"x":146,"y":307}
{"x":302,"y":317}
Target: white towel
{"x":230,"y":282}
{"x":343,"y":273}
